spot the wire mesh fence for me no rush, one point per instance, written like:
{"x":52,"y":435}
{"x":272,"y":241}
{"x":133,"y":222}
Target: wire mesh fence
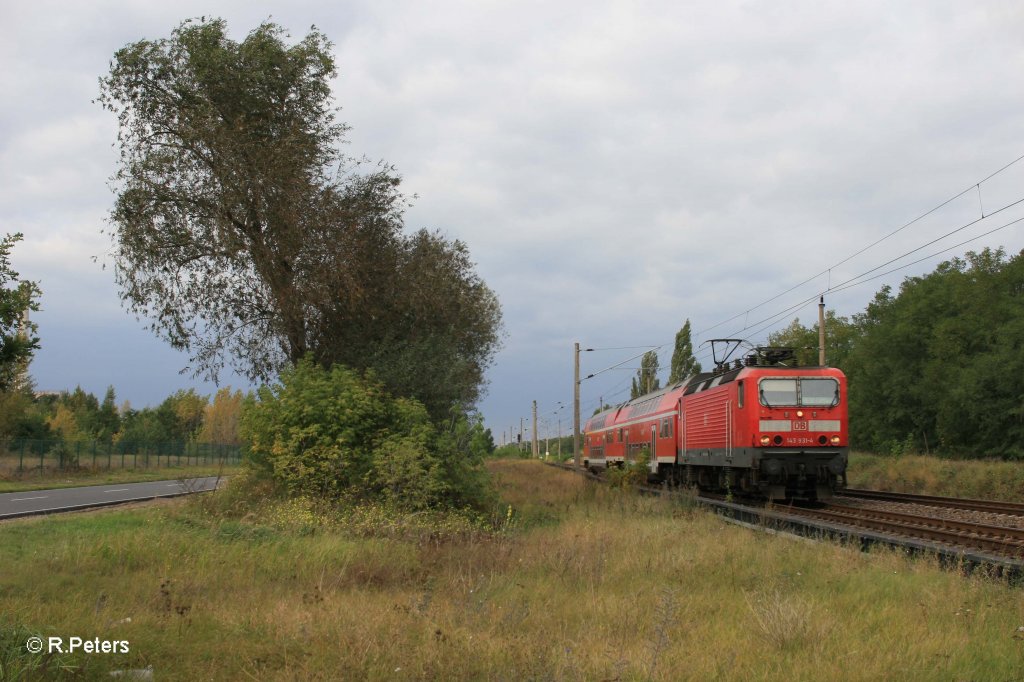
{"x":21,"y":455}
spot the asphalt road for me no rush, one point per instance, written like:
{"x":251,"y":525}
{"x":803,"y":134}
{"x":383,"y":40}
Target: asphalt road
{"x":34,"y":502}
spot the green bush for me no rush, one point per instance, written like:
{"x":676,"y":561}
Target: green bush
{"x":333,"y":434}
{"x":631,"y":473}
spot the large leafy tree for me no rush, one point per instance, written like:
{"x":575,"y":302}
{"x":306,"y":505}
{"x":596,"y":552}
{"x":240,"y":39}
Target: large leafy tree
{"x":840,"y":337}
{"x":646,"y":379}
{"x":17,"y":298}
{"x":219,"y":223}
{"x":220,"y":422}
{"x":940,"y":366}
{"x":683,"y":362}
{"x":428,"y":333}
{"x":247,"y":238}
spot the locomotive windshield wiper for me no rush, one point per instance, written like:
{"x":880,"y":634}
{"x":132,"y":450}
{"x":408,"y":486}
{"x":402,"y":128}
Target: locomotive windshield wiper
{"x":763,"y":399}
{"x":835,"y":399}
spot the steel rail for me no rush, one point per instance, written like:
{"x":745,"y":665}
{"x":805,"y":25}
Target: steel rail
{"x":998,"y":507}
{"x":1004,"y":541}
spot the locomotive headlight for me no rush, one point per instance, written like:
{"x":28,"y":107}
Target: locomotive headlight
{"x":799,"y":413}
{"x":835,"y":440}
{"x":765,"y":440}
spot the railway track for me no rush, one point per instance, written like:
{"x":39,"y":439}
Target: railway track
{"x":1011,"y":508}
{"x":961,"y":543}
{"x":999,"y":540}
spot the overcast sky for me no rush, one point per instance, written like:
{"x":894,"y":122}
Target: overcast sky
{"x":615,"y":168}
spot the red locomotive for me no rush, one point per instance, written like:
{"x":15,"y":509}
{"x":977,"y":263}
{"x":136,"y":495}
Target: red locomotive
{"x":755,"y":425}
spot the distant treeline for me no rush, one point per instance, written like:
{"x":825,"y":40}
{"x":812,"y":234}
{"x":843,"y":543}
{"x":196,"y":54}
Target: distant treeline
{"x":555,"y":447}
{"x":939,"y":366}
{"x":78,"y":416}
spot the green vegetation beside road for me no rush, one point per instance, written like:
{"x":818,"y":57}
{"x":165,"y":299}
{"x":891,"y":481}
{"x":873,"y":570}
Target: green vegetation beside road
{"x":87,"y":477}
{"x":563,"y":580}
{"x":337,"y":436}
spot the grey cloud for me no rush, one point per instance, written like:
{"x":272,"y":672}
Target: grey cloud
{"x":614,"y":167}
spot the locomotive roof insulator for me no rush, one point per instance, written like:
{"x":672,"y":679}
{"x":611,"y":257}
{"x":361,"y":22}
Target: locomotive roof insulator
{"x":775,"y":355}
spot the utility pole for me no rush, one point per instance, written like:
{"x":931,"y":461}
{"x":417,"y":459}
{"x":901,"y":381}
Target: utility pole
{"x":821,"y":331}
{"x":559,"y":439}
{"x":521,"y":444}
{"x":577,"y":458}
{"x":535,"y":451}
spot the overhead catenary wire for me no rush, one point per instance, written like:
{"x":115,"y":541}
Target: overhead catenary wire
{"x":869,"y":246}
{"x":861,"y":278}
{"x":648,"y":346}
{"x":619,"y":364}
{"x":849,"y":283}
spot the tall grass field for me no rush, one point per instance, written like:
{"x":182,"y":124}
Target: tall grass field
{"x":922,"y":474}
{"x":568,"y":581}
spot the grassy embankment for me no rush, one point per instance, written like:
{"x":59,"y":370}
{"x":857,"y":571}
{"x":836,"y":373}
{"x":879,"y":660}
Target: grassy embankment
{"x":994,"y":480}
{"x":578,"y":582}
{"x":12,"y":483}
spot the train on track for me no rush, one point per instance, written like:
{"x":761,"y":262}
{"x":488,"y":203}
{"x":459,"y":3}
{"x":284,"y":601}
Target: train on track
{"x":759,"y":425}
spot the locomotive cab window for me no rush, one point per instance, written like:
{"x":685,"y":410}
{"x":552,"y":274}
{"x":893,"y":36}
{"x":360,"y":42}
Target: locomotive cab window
{"x":807,"y":391}
{"x":778,"y":392}
{"x":819,"y":392}
{"x":739,"y":395}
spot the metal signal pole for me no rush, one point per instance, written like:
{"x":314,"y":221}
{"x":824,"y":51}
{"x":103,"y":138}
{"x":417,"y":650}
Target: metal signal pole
{"x":577,"y":459}
{"x":821,"y":332}
{"x":535,"y":450}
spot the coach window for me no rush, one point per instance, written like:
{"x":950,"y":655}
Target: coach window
{"x":666,"y":428}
